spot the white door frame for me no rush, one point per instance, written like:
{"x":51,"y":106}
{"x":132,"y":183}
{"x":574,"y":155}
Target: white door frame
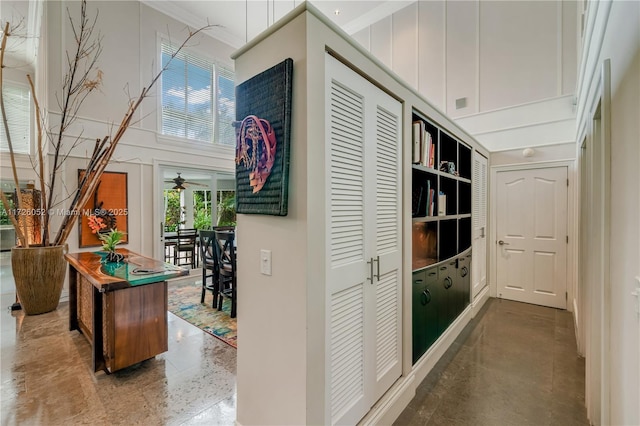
{"x":159,"y":168}
{"x":571,"y":247}
{"x":596,"y":320}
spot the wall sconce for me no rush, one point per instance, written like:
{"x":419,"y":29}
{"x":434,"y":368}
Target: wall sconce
{"x":528,"y":152}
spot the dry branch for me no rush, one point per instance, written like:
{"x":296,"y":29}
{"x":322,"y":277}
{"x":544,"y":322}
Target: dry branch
{"x":78,"y":83}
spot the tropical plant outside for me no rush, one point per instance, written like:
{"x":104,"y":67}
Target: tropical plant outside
{"x":202,"y":208}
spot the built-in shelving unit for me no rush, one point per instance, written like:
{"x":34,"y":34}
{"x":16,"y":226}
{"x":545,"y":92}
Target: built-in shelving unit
{"x":441,"y":194}
{"x":441,"y":234}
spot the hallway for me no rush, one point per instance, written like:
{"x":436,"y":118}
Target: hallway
{"x":514,"y":364}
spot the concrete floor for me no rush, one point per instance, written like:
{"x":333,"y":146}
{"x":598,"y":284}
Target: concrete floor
{"x":514,"y":364}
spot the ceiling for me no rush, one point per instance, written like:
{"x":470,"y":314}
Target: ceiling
{"x":238,"y":21}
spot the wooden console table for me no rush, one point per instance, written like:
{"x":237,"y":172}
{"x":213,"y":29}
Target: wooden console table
{"x":121,"y":308}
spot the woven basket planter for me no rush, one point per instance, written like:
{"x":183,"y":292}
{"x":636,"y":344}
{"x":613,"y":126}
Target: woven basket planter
{"x":39,"y":276}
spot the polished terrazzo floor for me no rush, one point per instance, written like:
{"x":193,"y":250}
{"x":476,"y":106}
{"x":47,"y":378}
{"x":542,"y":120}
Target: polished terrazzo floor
{"x":46,"y":377}
{"x":514,"y":364}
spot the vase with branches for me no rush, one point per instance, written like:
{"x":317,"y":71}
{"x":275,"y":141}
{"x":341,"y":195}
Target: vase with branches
{"x":54,"y":144}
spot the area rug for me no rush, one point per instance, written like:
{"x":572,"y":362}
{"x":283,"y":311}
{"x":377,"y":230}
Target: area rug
{"x":184,"y":302}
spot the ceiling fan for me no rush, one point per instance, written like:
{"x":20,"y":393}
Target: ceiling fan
{"x":179,"y":182}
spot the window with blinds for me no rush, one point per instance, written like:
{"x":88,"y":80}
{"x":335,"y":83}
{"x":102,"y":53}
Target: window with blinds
{"x":17,"y":100}
{"x":198,"y":98}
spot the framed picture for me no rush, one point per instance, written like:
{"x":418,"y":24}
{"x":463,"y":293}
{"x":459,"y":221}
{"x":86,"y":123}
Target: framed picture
{"x":263,"y":132}
{"x":106,"y":209}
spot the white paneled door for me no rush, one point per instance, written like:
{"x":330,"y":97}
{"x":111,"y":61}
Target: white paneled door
{"x":363,"y":250}
{"x":531,"y":231}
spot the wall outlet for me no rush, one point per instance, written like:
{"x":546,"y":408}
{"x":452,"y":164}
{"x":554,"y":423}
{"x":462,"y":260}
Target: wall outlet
{"x":265,"y":262}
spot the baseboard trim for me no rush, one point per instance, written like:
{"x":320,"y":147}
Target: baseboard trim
{"x":479,"y":301}
{"x":392,"y":403}
{"x":433,"y":355}
{"x":396,"y":399}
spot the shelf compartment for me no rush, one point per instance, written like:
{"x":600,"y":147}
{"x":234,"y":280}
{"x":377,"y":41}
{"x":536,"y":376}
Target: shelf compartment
{"x":464,"y":234}
{"x":464,"y":198}
{"x":424,"y":240}
{"x":448,"y":151}
{"x":424,"y":191}
{"x":425,"y":153}
{"x":448,"y":187}
{"x":464,"y":161}
{"x":448,"y":239}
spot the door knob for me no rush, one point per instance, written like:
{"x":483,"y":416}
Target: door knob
{"x":502,"y":243}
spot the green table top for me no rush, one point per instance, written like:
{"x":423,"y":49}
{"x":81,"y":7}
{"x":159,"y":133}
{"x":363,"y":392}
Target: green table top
{"x":133,"y":271}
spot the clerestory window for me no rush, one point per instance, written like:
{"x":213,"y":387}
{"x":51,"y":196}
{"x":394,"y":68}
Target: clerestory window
{"x":198,"y":98}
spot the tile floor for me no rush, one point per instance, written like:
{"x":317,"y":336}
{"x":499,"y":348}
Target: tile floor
{"x":514,"y":364}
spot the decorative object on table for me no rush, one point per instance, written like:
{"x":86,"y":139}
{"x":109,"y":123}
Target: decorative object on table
{"x":183,"y":298}
{"x":263,"y":133}
{"x":53,"y":146}
{"x":108,"y":207}
{"x":109,"y":242}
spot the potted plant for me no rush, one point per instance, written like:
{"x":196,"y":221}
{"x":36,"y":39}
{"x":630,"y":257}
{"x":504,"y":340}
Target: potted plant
{"x":109,"y":242}
{"x":38,"y":261}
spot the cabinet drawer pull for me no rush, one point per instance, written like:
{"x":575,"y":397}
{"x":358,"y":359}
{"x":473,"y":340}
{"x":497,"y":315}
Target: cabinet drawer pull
{"x":448,"y":283}
{"x":425,"y":297}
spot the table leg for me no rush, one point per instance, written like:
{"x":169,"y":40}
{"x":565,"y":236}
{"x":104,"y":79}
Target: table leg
{"x":97,"y":342}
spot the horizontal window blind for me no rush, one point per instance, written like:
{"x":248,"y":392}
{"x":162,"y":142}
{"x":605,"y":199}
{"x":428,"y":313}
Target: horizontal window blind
{"x":198,"y":98}
{"x":226,"y":107}
{"x":187,"y":95}
{"x":17,"y":100}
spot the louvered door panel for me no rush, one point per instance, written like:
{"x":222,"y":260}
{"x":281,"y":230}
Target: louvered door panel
{"x":347,"y":168}
{"x":386,"y":233}
{"x":346,"y":360}
{"x":479,"y":215}
{"x":387,"y":337}
{"x":347,"y":348}
{"x":387,"y":182}
{"x":363,"y":225}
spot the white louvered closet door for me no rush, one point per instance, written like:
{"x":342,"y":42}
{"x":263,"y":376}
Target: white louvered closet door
{"x":479,"y":214}
{"x":363,"y":250}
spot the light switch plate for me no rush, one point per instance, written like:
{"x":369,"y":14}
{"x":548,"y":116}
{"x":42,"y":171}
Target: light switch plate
{"x":265,"y":262}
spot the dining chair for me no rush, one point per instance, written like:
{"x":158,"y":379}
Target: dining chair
{"x":185,"y":249}
{"x":210,"y":269}
{"x":225,"y":251}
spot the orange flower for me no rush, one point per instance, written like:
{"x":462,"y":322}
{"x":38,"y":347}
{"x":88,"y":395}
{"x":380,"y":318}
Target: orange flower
{"x":96,"y":224}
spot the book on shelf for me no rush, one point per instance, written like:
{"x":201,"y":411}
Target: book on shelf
{"x":427,"y":149}
{"x":423,"y":146}
{"x":442,"y":204}
{"x":430,"y":200}
{"x":418,"y":134}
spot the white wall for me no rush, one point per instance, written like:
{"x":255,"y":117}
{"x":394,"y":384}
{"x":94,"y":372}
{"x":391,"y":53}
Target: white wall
{"x":130,"y":40}
{"x":494,"y":55}
{"x":129,"y":60}
{"x":613,"y":32}
{"x":272,"y":372}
